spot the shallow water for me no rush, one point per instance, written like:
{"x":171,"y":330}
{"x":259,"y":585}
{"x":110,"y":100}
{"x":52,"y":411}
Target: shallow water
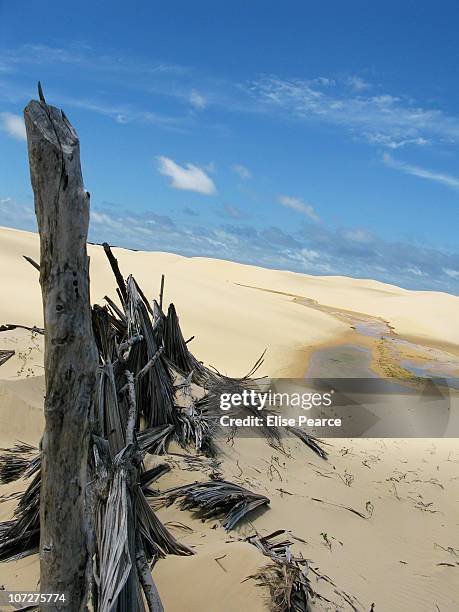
{"x":372,"y":406}
{"x":352,"y":360}
{"x":440,"y":373}
{"x":372,"y":327}
{"x":440,"y":366}
{"x":344,"y":361}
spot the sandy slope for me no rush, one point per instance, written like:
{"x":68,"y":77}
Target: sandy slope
{"x":209,"y":292}
{"x":402,"y":557}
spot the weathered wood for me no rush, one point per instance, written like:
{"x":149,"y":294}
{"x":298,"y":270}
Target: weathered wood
{"x":142,"y":295}
{"x":32,"y":262}
{"x":62,"y":210}
{"x":132,"y":413}
{"x":116,"y":270}
{"x":161,"y":292}
{"x":149,"y":588}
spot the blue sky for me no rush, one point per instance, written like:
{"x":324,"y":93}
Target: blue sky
{"x":315,"y":137}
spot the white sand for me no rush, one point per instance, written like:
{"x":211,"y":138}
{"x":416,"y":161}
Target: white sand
{"x":393,"y":557}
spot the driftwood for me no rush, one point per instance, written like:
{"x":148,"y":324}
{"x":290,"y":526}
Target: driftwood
{"x":62,"y":209}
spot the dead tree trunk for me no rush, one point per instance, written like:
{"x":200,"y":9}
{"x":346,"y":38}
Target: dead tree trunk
{"x":62,"y":209}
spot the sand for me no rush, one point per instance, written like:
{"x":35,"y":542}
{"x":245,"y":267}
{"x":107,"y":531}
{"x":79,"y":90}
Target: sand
{"x":402,"y":557}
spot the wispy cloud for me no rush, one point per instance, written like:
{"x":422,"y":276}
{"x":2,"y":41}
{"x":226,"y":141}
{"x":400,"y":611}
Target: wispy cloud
{"x":121,"y":114}
{"x":197,"y":100}
{"x":415,"y":271}
{"x":190,"y":211}
{"x":85,"y":56}
{"x":17,"y":214}
{"x":388,"y":119}
{"x":357,"y":235}
{"x":437,"y":177}
{"x":188,"y":177}
{"x":242,"y":171}
{"x":357,"y":83}
{"x":13,"y":125}
{"x":384,"y":119}
{"x":322,"y":251}
{"x":123,"y":74}
{"x":451,"y":273}
{"x":385,"y":140}
{"x":232,"y":211}
{"x":298,"y":205}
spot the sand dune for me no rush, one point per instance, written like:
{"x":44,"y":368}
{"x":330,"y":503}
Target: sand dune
{"x":402,"y":556}
{"x":209,"y":292}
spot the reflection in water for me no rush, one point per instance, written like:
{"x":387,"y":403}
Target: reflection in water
{"x":413,"y":394}
{"x":436,"y":364}
{"x":343,"y":361}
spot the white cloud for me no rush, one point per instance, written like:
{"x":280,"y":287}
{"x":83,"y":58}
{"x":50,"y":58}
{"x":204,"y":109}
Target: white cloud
{"x":299,"y":206}
{"x":451,"y":273}
{"x":198,"y":100}
{"x":391,"y":143}
{"x":383,"y":119}
{"x":243,"y":172}
{"x":415,"y":270}
{"x":120,"y":118}
{"x":188,"y":177}
{"x":13,"y":125}
{"x":357,"y":83}
{"x":309,"y":254}
{"x":309,"y":260}
{"x":121,"y":114}
{"x":106,"y":221}
{"x":17,"y":214}
{"x":357,"y":235}
{"x":438,"y":177}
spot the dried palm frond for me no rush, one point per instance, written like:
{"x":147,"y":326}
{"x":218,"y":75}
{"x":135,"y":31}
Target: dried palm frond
{"x":286,"y":576}
{"x":196,"y":427}
{"x":158,"y":541}
{"x":18,"y":461}
{"x":20,"y":536}
{"x":151,"y":475}
{"x":5,"y":355}
{"x":216,"y":498}
{"x":12,"y":326}
{"x":287,"y":586}
{"x":113,"y":545}
{"x":155,"y":439}
{"x":210,"y":404}
{"x":312,"y":442}
{"x":177,"y":353}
